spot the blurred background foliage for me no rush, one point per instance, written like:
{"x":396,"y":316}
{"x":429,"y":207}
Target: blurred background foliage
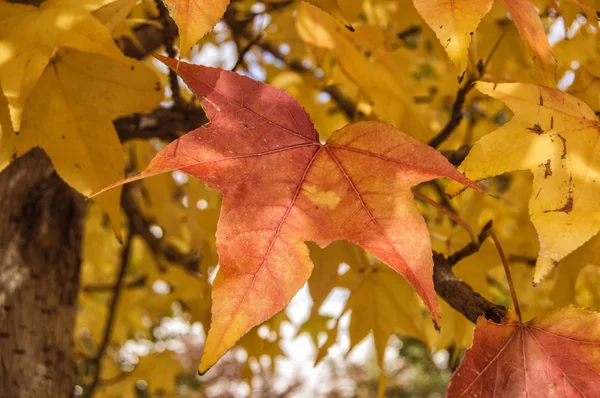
{"x":144,"y":306}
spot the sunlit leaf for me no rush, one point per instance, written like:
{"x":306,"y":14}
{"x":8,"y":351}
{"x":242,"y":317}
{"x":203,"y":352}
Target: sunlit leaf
{"x":320,"y":193}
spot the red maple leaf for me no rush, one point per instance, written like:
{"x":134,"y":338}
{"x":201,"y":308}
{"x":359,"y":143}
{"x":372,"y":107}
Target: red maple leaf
{"x":282,"y":187}
{"x":557,"y":355}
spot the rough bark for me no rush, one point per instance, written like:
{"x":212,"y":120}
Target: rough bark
{"x":41,"y":226}
{"x":462,"y":297}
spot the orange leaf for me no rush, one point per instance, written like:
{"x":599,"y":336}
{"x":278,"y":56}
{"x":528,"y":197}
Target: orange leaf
{"x":282,"y":187}
{"x":195,"y":18}
{"x":554,"y":355}
{"x":532,"y":32}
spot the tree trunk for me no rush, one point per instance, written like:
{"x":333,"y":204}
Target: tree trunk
{"x":41,"y":225}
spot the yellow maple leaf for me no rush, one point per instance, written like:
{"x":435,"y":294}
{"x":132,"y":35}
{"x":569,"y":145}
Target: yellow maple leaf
{"x":330,"y":340}
{"x":121,"y":17}
{"x":383,"y":303}
{"x":573,"y":276}
{"x":586,"y":86}
{"x":263,"y":341}
{"x":315,"y":325}
{"x":586,"y":288}
{"x":556,"y":137}
{"x":29,"y":37}
{"x":325,"y":273}
{"x":454,"y":22}
{"x":195,"y":18}
{"x":332,"y":7}
{"x":114,"y":14}
{"x":362,"y":55}
{"x":69,"y":114}
{"x":158,"y":369}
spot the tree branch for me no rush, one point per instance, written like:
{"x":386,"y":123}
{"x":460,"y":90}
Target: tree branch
{"x":110,"y":317}
{"x":163,"y":123}
{"x":461,"y":296}
{"x":456,"y":116}
{"x":169,"y":34}
{"x":457,"y":108}
{"x":457,"y":156}
{"x":104,"y":287}
{"x":160,"y":249}
{"x":471,"y":247}
{"x":458,"y":294}
{"x":149,"y":36}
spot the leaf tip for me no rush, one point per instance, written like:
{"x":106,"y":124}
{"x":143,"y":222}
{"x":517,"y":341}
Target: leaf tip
{"x":466,"y":182}
{"x":204,"y":366}
{"x":477,"y":186}
{"x":454,"y":188}
{"x":434,"y":310}
{"x":118,"y":234}
{"x":170,"y":62}
{"x":542,"y":268}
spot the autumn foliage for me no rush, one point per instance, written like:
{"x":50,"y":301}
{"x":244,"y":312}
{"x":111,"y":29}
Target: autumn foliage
{"x":383,"y":148}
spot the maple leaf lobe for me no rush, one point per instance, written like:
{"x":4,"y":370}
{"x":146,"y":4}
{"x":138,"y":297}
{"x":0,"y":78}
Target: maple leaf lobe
{"x":554,"y":135}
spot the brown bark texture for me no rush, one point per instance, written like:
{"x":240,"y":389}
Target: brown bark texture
{"x":41,"y":225}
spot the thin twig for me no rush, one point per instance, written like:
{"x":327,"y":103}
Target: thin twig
{"x":104,"y":287}
{"x":110,"y":316}
{"x":513,"y":291}
{"x":471,"y":247}
{"x":457,"y":113}
{"x":448,"y":212}
{"x":169,"y":34}
{"x":444,"y":199}
{"x":483,"y":67}
{"x":244,"y":51}
{"x":241,"y":25}
{"x":160,"y":249}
